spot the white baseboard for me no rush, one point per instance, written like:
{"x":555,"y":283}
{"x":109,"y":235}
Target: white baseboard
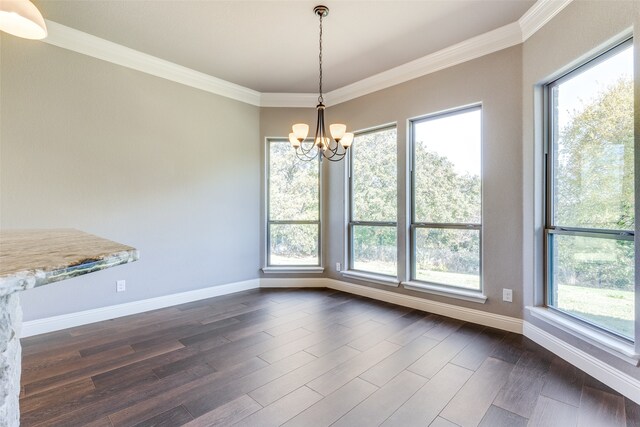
{"x":614,"y":378}
{"x":56,"y":323}
{"x":497,"y":321}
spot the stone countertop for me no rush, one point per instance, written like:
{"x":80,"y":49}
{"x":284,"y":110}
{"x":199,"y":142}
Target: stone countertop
{"x":30,"y":258}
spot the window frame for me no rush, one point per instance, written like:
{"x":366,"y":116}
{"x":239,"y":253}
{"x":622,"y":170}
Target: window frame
{"x":414,"y":225}
{"x":269,"y":267}
{"x":377,"y":277}
{"x":549,"y":227}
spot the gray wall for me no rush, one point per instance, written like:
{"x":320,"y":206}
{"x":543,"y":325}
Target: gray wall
{"x":171,"y":170}
{"x":579,"y":31}
{"x":494,"y":80}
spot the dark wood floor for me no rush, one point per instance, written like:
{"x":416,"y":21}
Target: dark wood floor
{"x":304,"y":358}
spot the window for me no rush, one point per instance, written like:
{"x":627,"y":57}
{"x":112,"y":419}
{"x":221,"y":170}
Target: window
{"x":373,"y":231}
{"x":293,"y":207}
{"x":590,"y":219}
{"x":446,"y":199}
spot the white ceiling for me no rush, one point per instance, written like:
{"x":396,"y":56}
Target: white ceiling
{"x":271,"y":46}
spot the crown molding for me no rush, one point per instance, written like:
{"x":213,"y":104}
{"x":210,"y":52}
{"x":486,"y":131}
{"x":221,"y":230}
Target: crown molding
{"x":539,"y":14}
{"x":501,"y":38}
{"x":87,"y":44}
{"x":498,"y":39}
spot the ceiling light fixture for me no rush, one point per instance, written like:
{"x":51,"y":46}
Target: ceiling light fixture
{"x":22,"y":19}
{"x":332,"y":148}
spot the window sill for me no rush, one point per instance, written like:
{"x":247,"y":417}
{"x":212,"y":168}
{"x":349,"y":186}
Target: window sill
{"x":292,"y":270}
{"x":372,"y":277}
{"x":445,"y":291}
{"x":612,"y":345}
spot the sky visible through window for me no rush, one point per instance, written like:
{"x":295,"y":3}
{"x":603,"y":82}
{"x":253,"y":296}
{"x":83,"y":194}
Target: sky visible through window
{"x":438,"y":136}
{"x":581,"y":90}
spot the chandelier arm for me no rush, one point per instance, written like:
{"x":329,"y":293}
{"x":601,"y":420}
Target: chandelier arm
{"x":305,"y":152}
{"x":334,"y":150}
{"x":334,"y":159}
{"x":304,"y":157}
{"x":318,"y":133}
{"x":333,"y":145}
{"x":323,"y":131}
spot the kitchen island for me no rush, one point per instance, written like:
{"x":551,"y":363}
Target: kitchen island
{"x":31,"y":258}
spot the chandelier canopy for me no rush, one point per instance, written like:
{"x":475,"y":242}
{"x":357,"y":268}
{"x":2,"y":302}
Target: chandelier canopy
{"x":333,"y":147}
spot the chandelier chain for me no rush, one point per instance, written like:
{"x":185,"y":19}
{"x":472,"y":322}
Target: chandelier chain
{"x":320,"y":98}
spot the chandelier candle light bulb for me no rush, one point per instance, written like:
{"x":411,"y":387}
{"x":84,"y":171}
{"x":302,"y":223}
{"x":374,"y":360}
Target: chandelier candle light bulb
{"x":334,"y":148}
{"x":337,"y":131}
{"x":293,"y":140}
{"x":346,"y":140}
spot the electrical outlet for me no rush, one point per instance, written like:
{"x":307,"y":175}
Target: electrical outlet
{"x":121,"y":286}
{"x":507,"y":295}
{"x":338,"y":266}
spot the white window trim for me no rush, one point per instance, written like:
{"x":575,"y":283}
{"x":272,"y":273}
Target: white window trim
{"x":379,"y":279}
{"x":301,"y":269}
{"x":446,"y":291}
{"x":618,"y":347}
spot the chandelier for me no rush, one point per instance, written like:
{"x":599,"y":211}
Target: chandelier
{"x":332,"y":148}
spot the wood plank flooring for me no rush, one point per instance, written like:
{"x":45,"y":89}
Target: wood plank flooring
{"x":304,"y":358}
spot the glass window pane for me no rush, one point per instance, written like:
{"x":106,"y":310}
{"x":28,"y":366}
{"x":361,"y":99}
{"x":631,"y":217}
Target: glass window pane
{"x":293,"y":185}
{"x":374,"y":178}
{"x":447,"y":164}
{"x":593,"y":146}
{"x":294,"y":244}
{"x":593,"y":278}
{"x":448,"y":256}
{"x":375,"y":249}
